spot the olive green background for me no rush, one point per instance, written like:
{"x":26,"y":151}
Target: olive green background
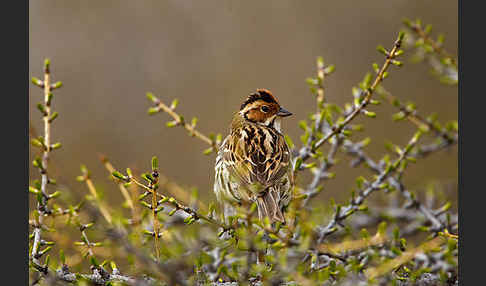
{"x":211,"y":55}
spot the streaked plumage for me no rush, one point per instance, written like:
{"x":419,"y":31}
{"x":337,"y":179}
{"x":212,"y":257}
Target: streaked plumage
{"x":253,"y":162}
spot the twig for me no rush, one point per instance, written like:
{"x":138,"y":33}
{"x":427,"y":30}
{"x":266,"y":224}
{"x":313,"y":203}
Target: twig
{"x":413,"y":116}
{"x":344,"y":212}
{"x":122,"y":188}
{"x":356,"y":151}
{"x":42,"y":205}
{"x":175,"y":203}
{"x":417,"y":29}
{"x":305,"y":152}
{"x":89,"y":183}
{"x":179,"y":120}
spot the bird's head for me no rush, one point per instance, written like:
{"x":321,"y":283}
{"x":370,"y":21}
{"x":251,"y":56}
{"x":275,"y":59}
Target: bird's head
{"x":262,"y":107}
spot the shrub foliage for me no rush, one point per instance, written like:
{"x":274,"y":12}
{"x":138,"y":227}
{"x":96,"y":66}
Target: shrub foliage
{"x":165,"y":235}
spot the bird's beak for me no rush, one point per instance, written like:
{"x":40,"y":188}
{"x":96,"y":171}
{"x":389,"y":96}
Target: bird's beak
{"x":283,"y":112}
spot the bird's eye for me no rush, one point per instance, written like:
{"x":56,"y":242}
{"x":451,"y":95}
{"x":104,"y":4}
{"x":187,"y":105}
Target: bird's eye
{"x":265,"y":108}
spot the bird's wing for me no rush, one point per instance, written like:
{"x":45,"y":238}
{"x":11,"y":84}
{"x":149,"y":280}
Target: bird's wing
{"x":259,"y":157}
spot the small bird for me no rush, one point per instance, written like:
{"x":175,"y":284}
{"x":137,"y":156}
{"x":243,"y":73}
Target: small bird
{"x":253,"y":161}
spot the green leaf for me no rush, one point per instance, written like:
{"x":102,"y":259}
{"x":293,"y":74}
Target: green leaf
{"x":118,"y":175}
{"x":142,"y":196}
{"x":42,"y":108}
{"x":155,"y":163}
{"x":49,"y":98}
{"x":370,"y":113}
{"x":194,"y":121}
{"x":54,"y":115}
{"x":298,"y":163}
{"x":174,"y":104}
{"x":382,"y":50}
{"x":148,"y":177}
{"x":153,"y":110}
{"x":47,"y":64}
{"x":382,"y":228}
{"x":289,"y":142}
{"x":93,"y":261}
{"x":171,"y":124}
{"x":54,"y":195}
{"x":56,"y":145}
{"x":37,"y":81}
{"x":36,"y":142}
{"x":151,"y":97}
{"x":397,"y":63}
{"x":330,"y":69}
{"x":57,"y":85}
{"x":398,"y":116}
{"x":62,"y":257}
{"x":401,"y":35}
{"x":208,"y":151}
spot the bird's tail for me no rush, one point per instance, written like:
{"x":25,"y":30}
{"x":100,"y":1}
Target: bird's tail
{"x":268,"y":206}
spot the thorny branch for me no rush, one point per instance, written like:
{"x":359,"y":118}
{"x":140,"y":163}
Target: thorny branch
{"x":343,"y":212}
{"x":173,"y":202}
{"x":306,"y":151}
{"x":179,"y":121}
{"x":45,"y":143}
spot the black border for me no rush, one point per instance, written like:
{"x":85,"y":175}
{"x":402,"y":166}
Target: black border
{"x":14,"y":210}
{"x":472,"y":196}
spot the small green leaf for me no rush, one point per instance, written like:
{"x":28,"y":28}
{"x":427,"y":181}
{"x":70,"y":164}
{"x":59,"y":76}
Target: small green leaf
{"x":57,"y":85}
{"x":36,"y":142}
{"x":172,"y":212}
{"x":171,"y":124}
{"x":42,"y":108}
{"x":47,"y":64}
{"x":37,"y":81}
{"x":174,"y":104}
{"x":33,"y":190}
{"x":62,"y":257}
{"x":56,"y":145}
{"x":151,"y":97}
{"x":93,"y":261}
{"x":118,"y":175}
{"x":401,"y":35}
{"x":54,"y":115}
{"x":208,"y":151}
{"x":142,"y":196}
{"x":153,"y":110}
{"x":298,"y":163}
{"x":155,"y":163}
{"x":397,"y":63}
{"x":382,"y":50}
{"x":370,"y":113}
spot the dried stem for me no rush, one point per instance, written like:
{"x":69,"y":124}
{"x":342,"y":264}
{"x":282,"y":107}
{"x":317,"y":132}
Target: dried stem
{"x":122,"y":188}
{"x":103,"y":209}
{"x":372,"y":273}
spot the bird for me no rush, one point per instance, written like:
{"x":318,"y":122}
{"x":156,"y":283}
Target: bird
{"x":253,"y":164}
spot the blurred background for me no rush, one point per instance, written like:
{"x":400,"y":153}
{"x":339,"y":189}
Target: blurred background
{"x":211,"y":55}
